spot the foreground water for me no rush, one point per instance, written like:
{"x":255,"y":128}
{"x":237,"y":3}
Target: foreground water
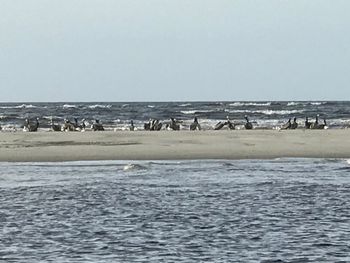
{"x":285,"y":210}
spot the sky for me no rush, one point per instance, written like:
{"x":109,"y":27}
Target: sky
{"x":174,"y":50}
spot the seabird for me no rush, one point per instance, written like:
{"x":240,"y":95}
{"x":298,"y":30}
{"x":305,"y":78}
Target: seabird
{"x":77,"y":126}
{"x":30,"y":127}
{"x":248,"y":125}
{"x":195,"y":125}
{"x":68,"y":126}
{"x":174,"y":125}
{"x":147,"y":125}
{"x":220,"y":125}
{"x":315,"y":124}
{"x":55,"y":127}
{"x":307,"y":123}
{"x":158,"y":125}
{"x":97,"y":126}
{"x":230,"y":124}
{"x":323,"y":126}
{"x":287,"y":125}
{"x":132,"y":127}
{"x":294,"y":124}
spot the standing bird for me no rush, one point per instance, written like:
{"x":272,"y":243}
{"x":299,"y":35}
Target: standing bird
{"x":132,"y":127}
{"x":287,"y":125}
{"x":230,"y":124}
{"x":157,"y":125}
{"x":147,"y":125}
{"x":307,"y":123}
{"x":248,"y":125}
{"x":294,"y":124}
{"x":55,"y":127}
{"x":31,"y":127}
{"x":67,"y":126}
{"x":174,"y":125}
{"x":315,"y":124}
{"x":97,"y":126}
{"x":323,"y":126}
{"x":195,"y":125}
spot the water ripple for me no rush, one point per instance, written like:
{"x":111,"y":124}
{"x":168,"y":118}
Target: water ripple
{"x":216,"y":211}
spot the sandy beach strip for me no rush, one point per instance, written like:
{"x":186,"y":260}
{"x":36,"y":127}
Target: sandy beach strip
{"x":173,"y":145}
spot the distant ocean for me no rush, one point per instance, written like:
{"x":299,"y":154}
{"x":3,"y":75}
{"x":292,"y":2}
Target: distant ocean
{"x":282,"y":210}
{"x":117,"y":115}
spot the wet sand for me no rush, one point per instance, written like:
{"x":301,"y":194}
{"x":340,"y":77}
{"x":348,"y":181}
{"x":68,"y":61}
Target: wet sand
{"x":173,"y":145}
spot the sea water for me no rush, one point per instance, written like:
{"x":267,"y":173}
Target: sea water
{"x":282,"y":210}
{"x":117,"y":115}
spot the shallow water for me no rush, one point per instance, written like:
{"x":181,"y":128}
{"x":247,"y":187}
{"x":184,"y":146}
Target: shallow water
{"x":284,"y":210}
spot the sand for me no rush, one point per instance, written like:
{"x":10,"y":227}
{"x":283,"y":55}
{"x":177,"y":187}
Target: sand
{"x":173,"y":145}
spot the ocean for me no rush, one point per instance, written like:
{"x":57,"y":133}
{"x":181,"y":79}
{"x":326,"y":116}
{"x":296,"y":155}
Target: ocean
{"x":117,"y":115}
{"x":281,"y":210}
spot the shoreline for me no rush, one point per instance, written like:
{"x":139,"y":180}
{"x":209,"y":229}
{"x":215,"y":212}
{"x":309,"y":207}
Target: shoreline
{"x":173,"y":145}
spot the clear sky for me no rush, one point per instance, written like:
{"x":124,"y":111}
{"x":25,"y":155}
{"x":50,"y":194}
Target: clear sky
{"x":166,"y":50}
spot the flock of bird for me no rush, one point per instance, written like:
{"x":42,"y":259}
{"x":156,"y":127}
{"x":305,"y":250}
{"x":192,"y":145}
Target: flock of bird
{"x":308,"y":125}
{"x":156,"y":125}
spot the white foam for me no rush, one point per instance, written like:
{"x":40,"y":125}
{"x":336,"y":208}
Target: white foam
{"x":268,"y":112}
{"x":238,"y":104}
{"x":292,"y":103}
{"x":68,"y":106}
{"x":22,"y":106}
{"x":100,"y":106}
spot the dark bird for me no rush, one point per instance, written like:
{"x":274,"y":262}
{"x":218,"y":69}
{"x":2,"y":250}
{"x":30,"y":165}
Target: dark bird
{"x":174,"y":124}
{"x":315,"y":124}
{"x":248,"y":125}
{"x":220,"y":125}
{"x":147,"y":125}
{"x":132,"y":127}
{"x":323,"y":126}
{"x":294,"y":124}
{"x":287,"y":125}
{"x":195,"y":125}
{"x":31,"y":127}
{"x":68,"y":126}
{"x":157,"y":125}
{"x":55,"y":127}
{"x":307,"y":123}
{"x":97,"y":126}
{"x":230,"y":124}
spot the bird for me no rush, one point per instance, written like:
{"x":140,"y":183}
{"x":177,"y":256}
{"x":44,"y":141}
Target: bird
{"x":287,"y":125}
{"x":132,"y":127}
{"x":97,"y":126}
{"x":294,"y":124}
{"x":174,"y":125}
{"x":315,"y":124}
{"x":28,"y":127}
{"x":323,"y":126}
{"x":55,"y":127}
{"x":195,"y":125}
{"x":67,"y":126}
{"x":248,"y":125}
{"x":230,"y":124}
{"x":307,"y":123}
{"x":220,"y":125}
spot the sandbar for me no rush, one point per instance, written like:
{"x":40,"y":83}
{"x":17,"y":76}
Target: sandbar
{"x":173,"y":145}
